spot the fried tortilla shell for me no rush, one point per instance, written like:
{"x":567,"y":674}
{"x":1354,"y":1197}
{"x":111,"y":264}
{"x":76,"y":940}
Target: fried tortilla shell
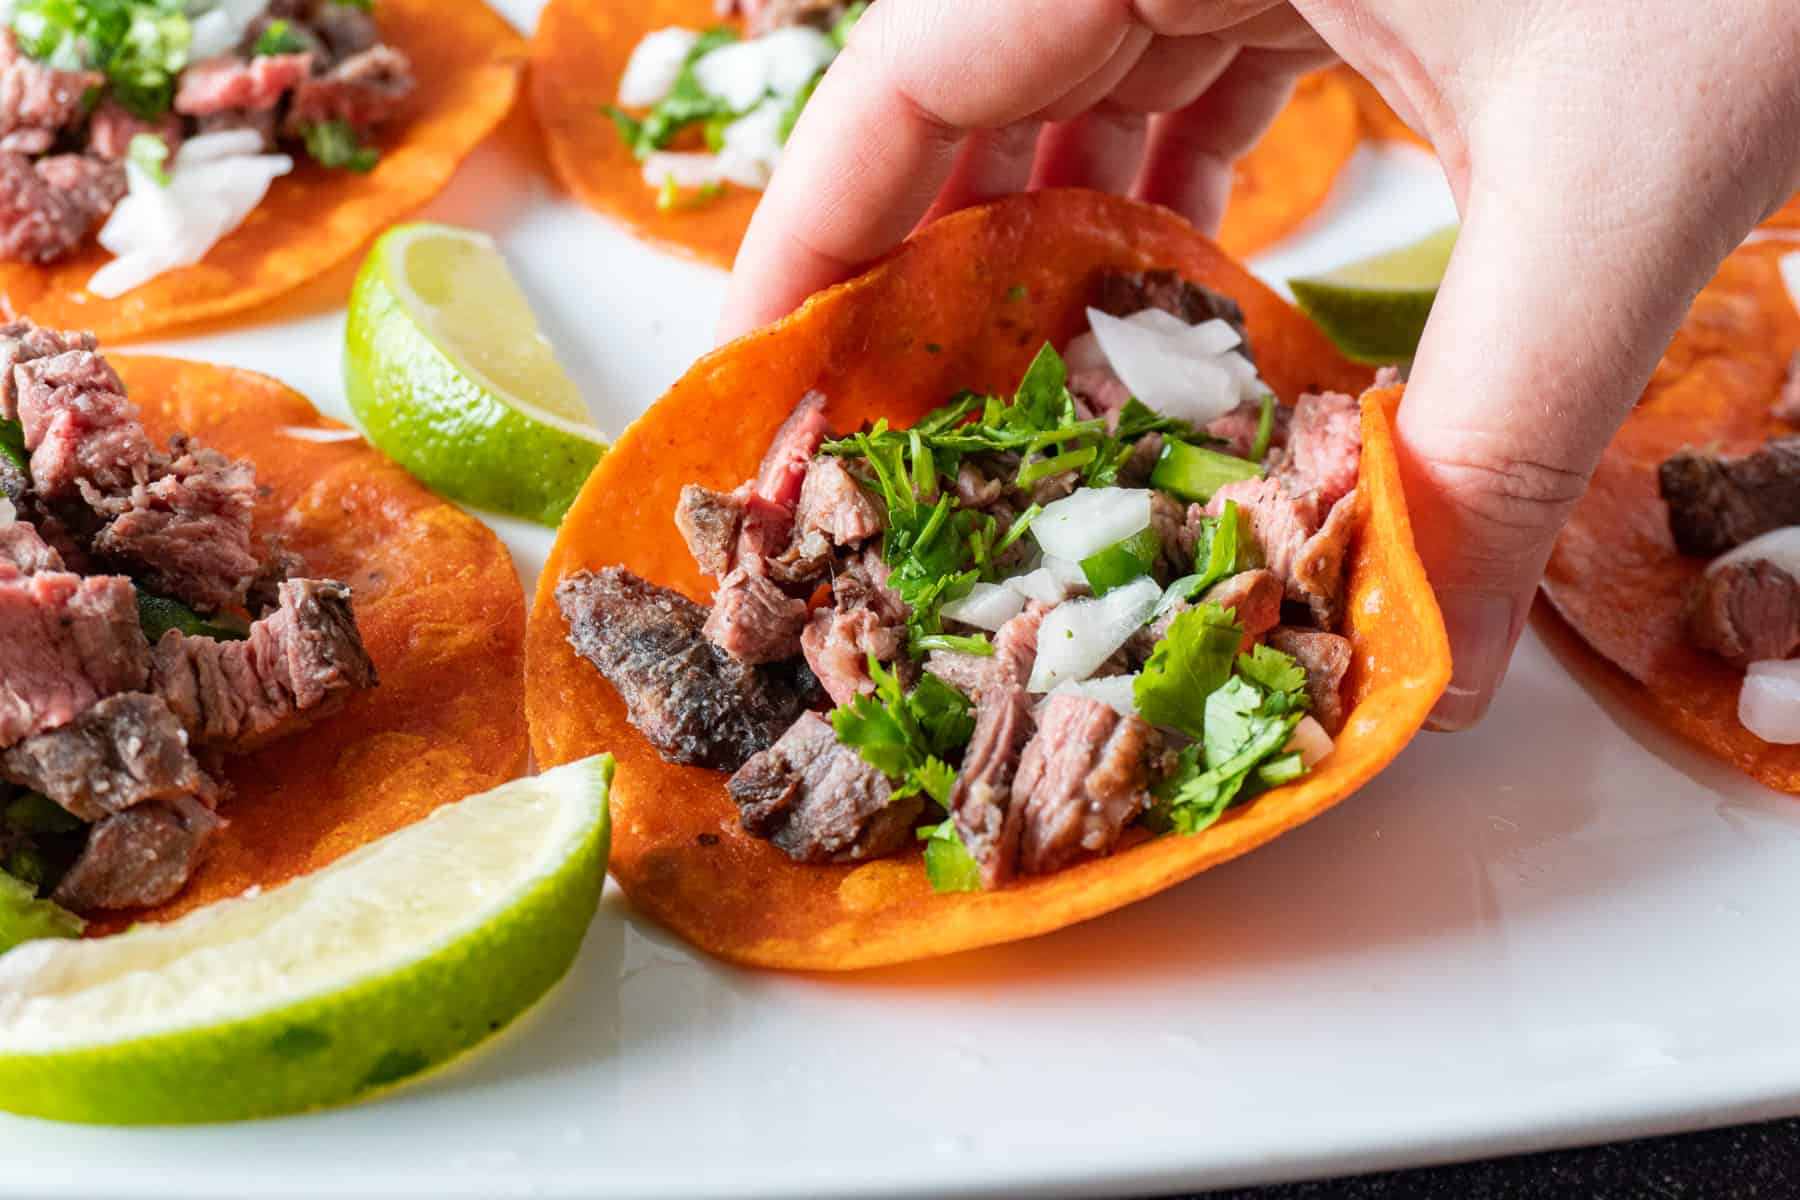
{"x":579,"y":54}
{"x":1615,"y":576}
{"x":966,"y":303}
{"x":441,"y":613}
{"x":468,"y":61}
{"x":1788,"y":217}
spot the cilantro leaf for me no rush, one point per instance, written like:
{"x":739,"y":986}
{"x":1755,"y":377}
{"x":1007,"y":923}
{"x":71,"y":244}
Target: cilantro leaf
{"x":12,"y":446}
{"x":140,"y":45}
{"x":907,"y":736}
{"x":840,"y":32}
{"x":277,"y":37}
{"x":25,"y":918}
{"x":1265,"y":428}
{"x":949,"y":867}
{"x":334,"y":144}
{"x":1224,"y":540}
{"x":1188,"y":665}
{"x":686,"y":105}
{"x":1274,"y":672}
{"x":149,"y":153}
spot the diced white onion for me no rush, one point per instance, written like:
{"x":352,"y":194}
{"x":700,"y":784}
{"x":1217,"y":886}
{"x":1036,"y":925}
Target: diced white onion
{"x":1067,"y":572}
{"x":1769,"y":704}
{"x":794,"y":55}
{"x":686,"y":170}
{"x":1117,"y":692}
{"x":1250,"y":384}
{"x":655,"y":65}
{"x":1041,"y":585}
{"x":1080,"y":635}
{"x":1780,"y":547}
{"x":8,"y":514}
{"x":215,"y":181}
{"x":987,"y":606}
{"x":1163,"y":371}
{"x":753,"y":145}
{"x":779,"y":64}
{"x":1311,"y":740}
{"x":312,"y":433}
{"x":1089,"y":520}
{"x":221,"y":28}
{"x":1790,"y":275}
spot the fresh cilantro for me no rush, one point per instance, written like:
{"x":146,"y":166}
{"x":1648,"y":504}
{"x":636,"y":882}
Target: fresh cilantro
{"x":25,"y":918}
{"x":1226,"y":554}
{"x":334,"y":144}
{"x":277,"y":37}
{"x":949,"y":867}
{"x":686,"y":105}
{"x":159,"y":614}
{"x":12,"y":446}
{"x":365,"y":5}
{"x":907,"y":736}
{"x":840,"y":32}
{"x":975,"y":644}
{"x":150,"y":154}
{"x":1265,"y":428}
{"x":1192,"y":661}
{"x":140,"y":45}
{"x":1275,"y":673}
{"x":670,"y":197}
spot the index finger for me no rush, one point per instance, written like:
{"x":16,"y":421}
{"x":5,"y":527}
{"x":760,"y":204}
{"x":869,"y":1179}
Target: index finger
{"x":878,"y":139}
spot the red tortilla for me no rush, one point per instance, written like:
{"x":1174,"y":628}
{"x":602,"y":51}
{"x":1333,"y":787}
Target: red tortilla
{"x":1615,"y":576}
{"x":579,"y":55}
{"x":468,"y":62}
{"x":966,"y":303}
{"x":441,"y":613}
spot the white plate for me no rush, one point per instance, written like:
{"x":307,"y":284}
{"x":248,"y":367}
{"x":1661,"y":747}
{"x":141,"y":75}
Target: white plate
{"x":1566,"y":927}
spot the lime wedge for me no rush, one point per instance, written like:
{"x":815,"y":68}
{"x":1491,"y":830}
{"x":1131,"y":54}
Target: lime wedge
{"x":387,"y":963}
{"x":1375,"y":308}
{"x":449,"y":375}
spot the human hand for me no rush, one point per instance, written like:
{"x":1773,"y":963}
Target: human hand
{"x":1604,"y":158}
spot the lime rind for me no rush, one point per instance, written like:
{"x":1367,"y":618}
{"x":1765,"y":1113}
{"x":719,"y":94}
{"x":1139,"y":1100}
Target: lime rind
{"x":353,"y":1040}
{"x":1375,"y":309}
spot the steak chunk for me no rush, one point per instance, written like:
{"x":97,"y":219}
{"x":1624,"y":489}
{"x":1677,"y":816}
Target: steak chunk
{"x":1325,"y":657}
{"x":819,"y":801}
{"x":37,"y":97}
{"x":867,"y":618}
{"x":124,"y":751}
{"x":982,"y":802}
{"x":296,"y":666}
{"x":141,"y":857}
{"x":1305,"y":553}
{"x":23,"y":552}
{"x":1744,"y":612}
{"x":113,"y":126}
{"x":1717,"y":502}
{"x":1238,"y":428}
{"x":784,"y":466}
{"x":709,"y":523}
{"x":229,"y":83}
{"x":753,"y":620}
{"x":1324,"y":447}
{"x":695,"y":703}
{"x":65,"y":644}
{"x":1125,"y":292}
{"x":48,"y":207}
{"x":833,"y":512}
{"x":364,"y":91}
{"x":1084,"y":776}
{"x":78,"y":425}
{"x":22,"y":342}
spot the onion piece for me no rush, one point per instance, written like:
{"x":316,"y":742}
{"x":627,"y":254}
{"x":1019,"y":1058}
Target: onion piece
{"x":1088,"y":520}
{"x":1163,"y":371}
{"x":654,"y":67}
{"x":1769,"y":704}
{"x":1779,"y":547}
{"x":742,"y":74}
{"x":1039,"y":585}
{"x":220,"y":29}
{"x":685,"y":169}
{"x":1080,"y":635}
{"x":8,"y":514}
{"x":1117,"y":692}
{"x":1068,"y":573}
{"x":794,"y":55}
{"x":1311,"y":741}
{"x":312,"y":433}
{"x":987,"y":606}
{"x":753,"y":146}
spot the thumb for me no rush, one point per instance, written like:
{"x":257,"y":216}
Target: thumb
{"x":1546,"y":329}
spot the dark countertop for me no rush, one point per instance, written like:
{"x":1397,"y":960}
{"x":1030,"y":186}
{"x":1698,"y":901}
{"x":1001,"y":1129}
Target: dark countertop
{"x":1747,"y":1162}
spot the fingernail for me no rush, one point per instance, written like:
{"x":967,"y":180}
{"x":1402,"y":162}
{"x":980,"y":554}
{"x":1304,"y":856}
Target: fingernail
{"x":1482,"y":629}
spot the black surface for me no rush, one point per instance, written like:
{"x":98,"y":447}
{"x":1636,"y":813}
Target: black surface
{"x":1748,"y":1162}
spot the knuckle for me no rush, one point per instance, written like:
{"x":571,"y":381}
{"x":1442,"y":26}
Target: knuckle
{"x":1507,"y":493}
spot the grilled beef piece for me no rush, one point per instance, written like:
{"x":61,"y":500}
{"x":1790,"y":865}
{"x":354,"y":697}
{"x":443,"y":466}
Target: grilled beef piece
{"x":186,"y":532}
{"x":113,"y":126}
{"x":981,"y":803}
{"x":1238,"y":428}
{"x":1325,"y":657}
{"x":263,"y":595}
{"x":819,"y":801}
{"x":784,"y":466}
{"x":124,"y":751}
{"x":709,"y":522}
{"x":1787,"y":405}
{"x":78,"y":424}
{"x":1744,"y":612}
{"x":298,"y":664}
{"x":260,"y":122}
{"x":232,"y":84}
{"x":65,"y":644}
{"x":1083,"y":777}
{"x":866,"y":617}
{"x":1125,"y":292}
{"x":364,"y":91}
{"x":139,"y":858}
{"x":23,"y":552}
{"x":14,"y":481}
{"x":833,"y":511}
{"x":695,"y":703}
{"x":1305,"y":553}
{"x":48,"y":207}
{"x":1716,"y":502}
{"x":1324,"y":447}
{"x":1098,"y":392}
{"x":37,"y":97}
{"x":1254,"y":597}
{"x":753,"y":620}
{"x":344,"y":28}
{"x":23,"y":342}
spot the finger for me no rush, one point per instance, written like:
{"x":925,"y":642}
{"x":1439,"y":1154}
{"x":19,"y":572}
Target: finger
{"x":1187,"y":166}
{"x":880,"y":137}
{"x":1094,"y":89}
{"x":1172,"y":74}
{"x":1184,"y":18}
{"x":992,"y":163}
{"x":1101,"y":149}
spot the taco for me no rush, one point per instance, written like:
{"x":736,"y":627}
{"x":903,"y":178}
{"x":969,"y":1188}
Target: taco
{"x":670,"y":119}
{"x":167,"y":162}
{"x":1680,"y":563}
{"x":907,"y":722}
{"x":235,"y":641}
{"x":1788,"y":217}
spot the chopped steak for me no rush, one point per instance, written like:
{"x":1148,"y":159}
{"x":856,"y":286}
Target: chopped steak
{"x":139,"y":858}
{"x":279,"y":565}
{"x":696,"y":704}
{"x":1253,"y":596}
{"x":866,"y":617}
{"x":48,"y":207}
{"x":833,"y":507}
{"x":229,"y":83}
{"x":298,"y":664}
{"x":261,"y":122}
{"x":14,"y":482}
{"x":1787,"y":405}
{"x":1237,"y":428}
{"x":819,"y":801}
{"x":975,"y":488}
{"x":1280,"y":521}
{"x":1082,"y":778}
{"x":78,"y":424}
{"x":1324,"y":447}
{"x":1098,"y":392}
{"x":23,"y":552}
{"x":1125,"y":292}
{"x":345,"y":28}
{"x":1325,"y":657}
{"x":784,"y":467}
{"x":1716,"y":502}
{"x":187,"y":532}
{"x":113,"y":127}
{"x":1178,"y":536}
{"x":753,"y":620}
{"x":1318,"y":578}
{"x":65,"y":643}
{"x":364,"y":91}
{"x":124,"y":751}
{"x":23,"y":342}
{"x":1744,"y":612}
{"x":35,"y":96}
{"x":982,"y":800}
{"x":709,"y":523}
